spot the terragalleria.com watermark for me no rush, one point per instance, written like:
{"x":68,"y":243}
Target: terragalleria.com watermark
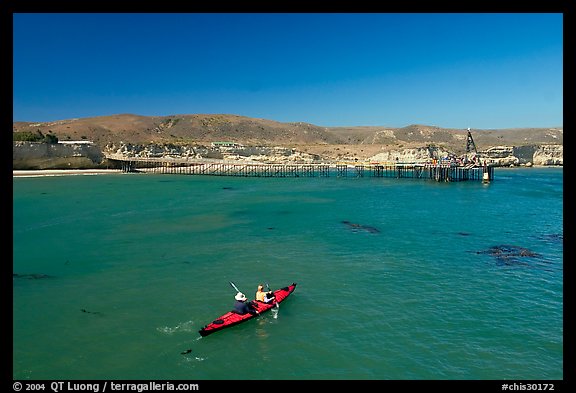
{"x":97,"y":387}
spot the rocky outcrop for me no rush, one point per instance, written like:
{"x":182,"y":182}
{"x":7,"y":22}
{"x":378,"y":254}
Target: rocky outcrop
{"x":34,"y":155}
{"x":238,"y":152}
{"x":423,"y":154}
{"x":549,"y":155}
{"x":542,"y":155}
{"x":153,"y":150}
{"x":524,"y":155}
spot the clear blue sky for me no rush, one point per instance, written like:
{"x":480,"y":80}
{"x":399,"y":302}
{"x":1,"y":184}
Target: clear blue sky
{"x":449,"y":70}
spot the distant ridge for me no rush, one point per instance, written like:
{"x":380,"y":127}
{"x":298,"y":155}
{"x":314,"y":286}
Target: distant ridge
{"x":206,"y":128}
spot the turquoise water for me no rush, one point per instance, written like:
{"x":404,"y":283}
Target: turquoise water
{"x":136,"y":264}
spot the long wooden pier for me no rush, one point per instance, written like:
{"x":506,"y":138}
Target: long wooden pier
{"x":432,"y":171}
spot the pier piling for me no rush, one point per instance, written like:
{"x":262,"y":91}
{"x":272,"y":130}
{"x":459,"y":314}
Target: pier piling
{"x":431,"y":171}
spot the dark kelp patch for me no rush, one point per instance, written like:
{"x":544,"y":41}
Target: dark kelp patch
{"x":553,"y":237}
{"x":510,"y":254}
{"x":32,"y":276}
{"x":359,"y":227}
{"x":90,"y":312}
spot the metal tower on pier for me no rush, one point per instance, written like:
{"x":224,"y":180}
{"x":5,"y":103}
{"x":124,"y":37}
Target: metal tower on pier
{"x":470,"y":145}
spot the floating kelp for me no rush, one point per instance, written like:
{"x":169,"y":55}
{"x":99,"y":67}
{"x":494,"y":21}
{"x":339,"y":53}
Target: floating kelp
{"x":553,"y":237}
{"x":509,"y":254}
{"x":359,"y":227}
{"x":33,"y":276}
{"x":90,"y":312}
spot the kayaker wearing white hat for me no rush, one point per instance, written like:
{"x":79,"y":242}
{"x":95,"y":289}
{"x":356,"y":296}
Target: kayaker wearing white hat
{"x":242,"y":306}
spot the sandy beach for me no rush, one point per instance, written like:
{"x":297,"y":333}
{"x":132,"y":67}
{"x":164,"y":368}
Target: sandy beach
{"x":63,"y":172}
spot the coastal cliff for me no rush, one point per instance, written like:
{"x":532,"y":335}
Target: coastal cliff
{"x":539,"y":155}
{"x":33,"y":155}
{"x":85,"y":143}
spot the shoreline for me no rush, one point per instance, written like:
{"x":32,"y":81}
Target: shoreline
{"x":62,"y":172}
{"x":76,"y":172}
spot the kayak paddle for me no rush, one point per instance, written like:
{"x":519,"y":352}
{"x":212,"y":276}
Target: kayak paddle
{"x":269,"y":290}
{"x":234,"y":286}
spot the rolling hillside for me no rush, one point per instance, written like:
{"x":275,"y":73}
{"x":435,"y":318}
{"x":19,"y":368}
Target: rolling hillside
{"x":201,"y":129}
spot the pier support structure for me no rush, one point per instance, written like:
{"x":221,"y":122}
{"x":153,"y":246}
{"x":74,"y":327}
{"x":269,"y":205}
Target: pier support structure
{"x":433,"y":171}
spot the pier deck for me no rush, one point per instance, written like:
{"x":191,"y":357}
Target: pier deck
{"x":432,"y":171}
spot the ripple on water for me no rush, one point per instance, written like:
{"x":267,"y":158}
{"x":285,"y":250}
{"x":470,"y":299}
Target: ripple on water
{"x":183,"y":327}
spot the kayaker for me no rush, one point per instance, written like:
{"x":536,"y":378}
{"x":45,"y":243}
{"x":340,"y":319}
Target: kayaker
{"x":242,"y":306}
{"x":265,"y":297}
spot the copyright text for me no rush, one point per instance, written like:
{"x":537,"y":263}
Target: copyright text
{"x":100,"y":387}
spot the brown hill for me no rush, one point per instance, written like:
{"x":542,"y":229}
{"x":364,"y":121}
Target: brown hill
{"x":181,"y":128}
{"x":205,"y":128}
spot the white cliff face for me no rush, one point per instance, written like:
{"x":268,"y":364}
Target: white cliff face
{"x":549,"y":155}
{"x":31,"y":155}
{"x":499,"y":152}
{"x":247,"y":153}
{"x":525,"y":155}
{"x":423,"y":154}
{"x":155,"y":151}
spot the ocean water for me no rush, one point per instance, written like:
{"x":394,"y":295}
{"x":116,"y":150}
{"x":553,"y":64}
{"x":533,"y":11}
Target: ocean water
{"x":397,"y":279}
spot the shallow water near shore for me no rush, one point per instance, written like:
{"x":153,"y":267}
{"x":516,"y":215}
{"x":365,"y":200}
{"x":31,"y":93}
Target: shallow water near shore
{"x":396,"y":278}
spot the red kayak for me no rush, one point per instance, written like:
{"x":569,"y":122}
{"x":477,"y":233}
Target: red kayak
{"x":231,"y":318}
